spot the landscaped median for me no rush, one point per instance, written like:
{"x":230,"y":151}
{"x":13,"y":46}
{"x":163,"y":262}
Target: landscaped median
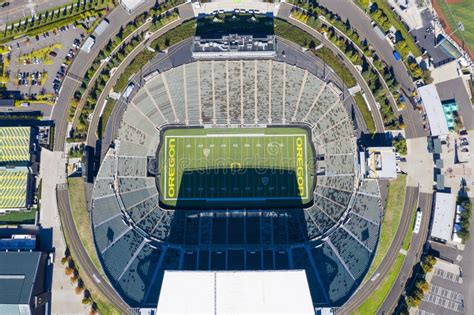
{"x":54,"y":18}
{"x":391,"y":221}
{"x":371,"y":305}
{"x":366,"y":114}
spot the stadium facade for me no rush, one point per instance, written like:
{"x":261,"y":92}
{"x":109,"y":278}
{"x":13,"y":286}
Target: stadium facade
{"x":332,"y":238}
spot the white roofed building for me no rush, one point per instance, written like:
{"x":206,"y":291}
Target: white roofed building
{"x":131,"y":5}
{"x":226,"y":292}
{"x":434,"y":110}
{"x":443,"y":218}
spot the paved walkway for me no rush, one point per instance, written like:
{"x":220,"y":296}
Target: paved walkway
{"x":419,"y":165}
{"x":64,"y":299}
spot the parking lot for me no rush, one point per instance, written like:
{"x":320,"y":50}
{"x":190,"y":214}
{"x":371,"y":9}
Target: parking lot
{"x":37,"y":64}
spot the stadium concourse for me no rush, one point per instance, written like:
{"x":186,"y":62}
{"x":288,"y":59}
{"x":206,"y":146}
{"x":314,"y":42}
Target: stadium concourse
{"x":333,"y":238}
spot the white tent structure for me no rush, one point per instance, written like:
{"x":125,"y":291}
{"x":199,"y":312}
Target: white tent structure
{"x":228,"y":292}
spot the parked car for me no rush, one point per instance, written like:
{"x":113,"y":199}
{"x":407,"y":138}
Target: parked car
{"x":396,"y":55}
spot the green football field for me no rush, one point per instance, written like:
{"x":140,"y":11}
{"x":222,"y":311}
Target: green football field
{"x":207,"y":166}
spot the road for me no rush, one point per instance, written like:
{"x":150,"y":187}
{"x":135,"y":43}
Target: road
{"x":81,"y":64}
{"x":88,"y":271}
{"x":412,"y":257}
{"x":22,"y":8}
{"x":367,"y":289}
{"x":362,"y":23}
{"x":284,"y":13}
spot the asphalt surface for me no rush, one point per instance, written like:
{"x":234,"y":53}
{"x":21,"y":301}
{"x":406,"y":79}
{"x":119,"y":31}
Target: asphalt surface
{"x":284,"y":13}
{"x":22,"y":8}
{"x":362,"y":23}
{"x":412,"y":257}
{"x":366,"y":289}
{"x":80,"y":65}
{"x":88,"y":270}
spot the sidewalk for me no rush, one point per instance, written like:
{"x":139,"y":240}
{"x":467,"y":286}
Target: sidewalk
{"x":64,"y":300}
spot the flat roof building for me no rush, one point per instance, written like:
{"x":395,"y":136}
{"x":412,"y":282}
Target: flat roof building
{"x":434,"y":110}
{"x":443,"y":218}
{"x":381,"y":162}
{"x":131,"y":5}
{"x":234,"y":46}
{"x":22,"y":283}
{"x":227,"y":292}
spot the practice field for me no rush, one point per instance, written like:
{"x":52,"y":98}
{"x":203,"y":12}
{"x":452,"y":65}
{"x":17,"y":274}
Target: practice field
{"x":232,"y":167}
{"x":454,"y":11}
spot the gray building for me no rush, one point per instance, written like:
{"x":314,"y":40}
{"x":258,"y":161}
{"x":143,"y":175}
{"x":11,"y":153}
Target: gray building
{"x":23,"y":283}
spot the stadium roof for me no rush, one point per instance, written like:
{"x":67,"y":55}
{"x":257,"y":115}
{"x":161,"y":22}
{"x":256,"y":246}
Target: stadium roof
{"x":205,"y":292}
{"x":444,"y":213}
{"x":17,"y":276}
{"x":14,"y":145}
{"x":13,"y":188}
{"x":434,"y":110}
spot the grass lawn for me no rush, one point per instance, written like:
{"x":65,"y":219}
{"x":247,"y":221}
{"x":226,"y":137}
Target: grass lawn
{"x":294,"y":34}
{"x":391,"y":220}
{"x":80,"y":215}
{"x":333,"y":62}
{"x":371,"y":305}
{"x":236,"y":165}
{"x":15,"y":218}
{"x":106,"y":114}
{"x":460,"y":11}
{"x":364,"y":109}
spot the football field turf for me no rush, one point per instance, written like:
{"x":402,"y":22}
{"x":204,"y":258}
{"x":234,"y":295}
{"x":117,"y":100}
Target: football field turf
{"x":201,"y":166}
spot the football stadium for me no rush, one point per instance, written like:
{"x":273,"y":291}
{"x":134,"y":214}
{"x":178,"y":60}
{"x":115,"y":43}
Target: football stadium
{"x":235,"y":165}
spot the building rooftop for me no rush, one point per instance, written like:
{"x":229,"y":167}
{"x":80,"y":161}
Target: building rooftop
{"x":443,"y":219}
{"x":271,"y":292}
{"x":381,"y":162}
{"x":131,"y":5}
{"x":17,"y":276}
{"x":434,"y":110}
{"x":234,"y":45}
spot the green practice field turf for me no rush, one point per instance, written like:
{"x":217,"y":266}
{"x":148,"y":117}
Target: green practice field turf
{"x":235,"y":167}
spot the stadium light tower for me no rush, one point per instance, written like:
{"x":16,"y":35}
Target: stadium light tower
{"x":459,"y":28}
